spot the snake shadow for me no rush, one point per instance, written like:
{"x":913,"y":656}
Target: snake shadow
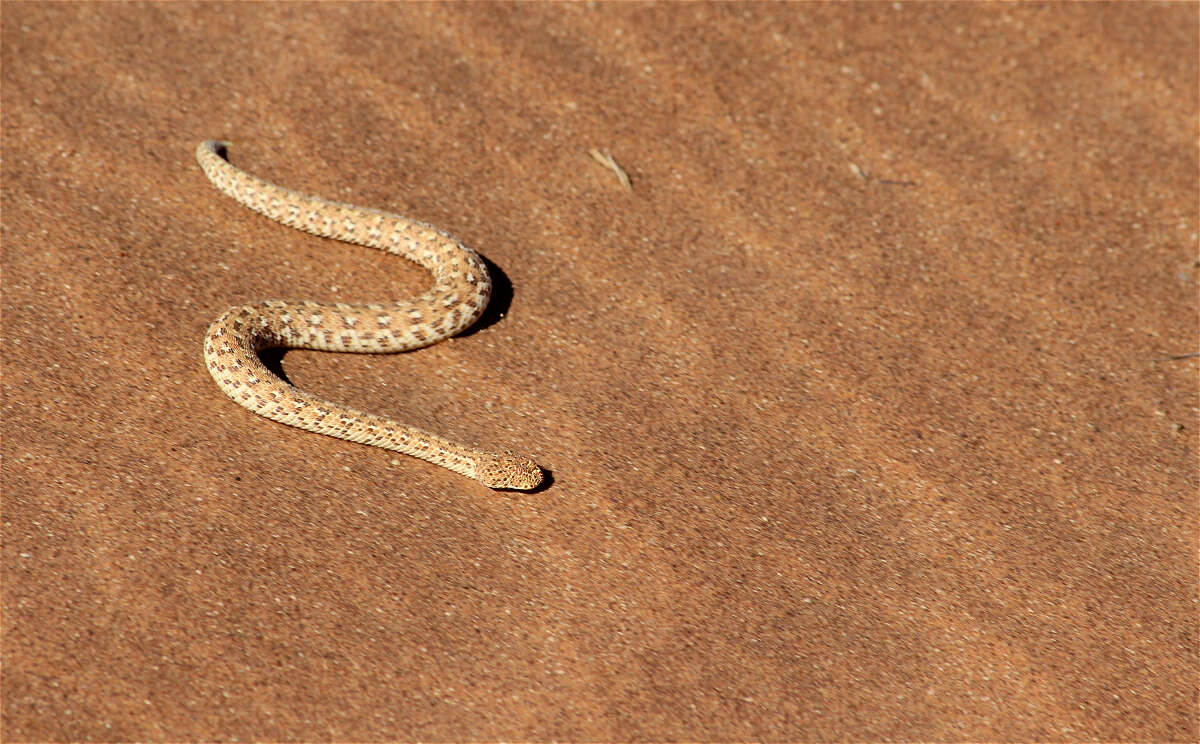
{"x":502,"y":295}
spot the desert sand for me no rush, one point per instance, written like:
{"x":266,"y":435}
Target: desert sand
{"x":868,"y":404}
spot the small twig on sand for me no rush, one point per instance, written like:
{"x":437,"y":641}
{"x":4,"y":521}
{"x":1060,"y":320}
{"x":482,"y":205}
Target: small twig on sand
{"x":605,"y":158}
{"x":1193,"y":355}
{"x":858,"y":171}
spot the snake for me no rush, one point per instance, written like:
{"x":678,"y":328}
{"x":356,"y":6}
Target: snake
{"x":459,"y":295}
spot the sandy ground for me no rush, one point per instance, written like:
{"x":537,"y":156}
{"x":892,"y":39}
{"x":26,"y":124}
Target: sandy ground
{"x":858,"y":405}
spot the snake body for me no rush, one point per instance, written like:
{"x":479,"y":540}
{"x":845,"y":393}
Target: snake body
{"x":460,"y":293}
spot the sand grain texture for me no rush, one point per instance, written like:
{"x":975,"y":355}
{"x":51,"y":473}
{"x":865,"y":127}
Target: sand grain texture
{"x":854,"y":400}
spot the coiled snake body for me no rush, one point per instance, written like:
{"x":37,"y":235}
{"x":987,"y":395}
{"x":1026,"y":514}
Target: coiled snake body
{"x":461,"y":289}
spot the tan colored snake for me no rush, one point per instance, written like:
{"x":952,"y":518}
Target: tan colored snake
{"x":461,"y":290}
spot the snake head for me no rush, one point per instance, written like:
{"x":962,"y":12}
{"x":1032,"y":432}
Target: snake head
{"x":509,"y":471}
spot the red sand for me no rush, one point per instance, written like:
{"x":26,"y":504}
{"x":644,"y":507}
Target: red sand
{"x":856,"y":405}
